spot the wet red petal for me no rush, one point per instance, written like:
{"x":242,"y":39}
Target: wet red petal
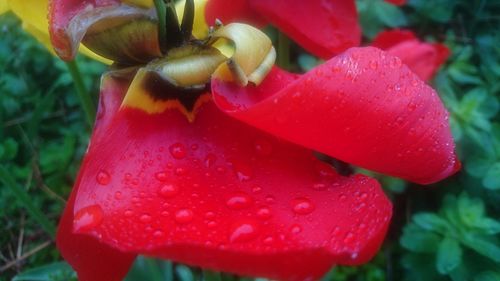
{"x":423,"y":58}
{"x":390,"y":38}
{"x":219,"y":194}
{"x":92,"y":260}
{"x":229,"y":11}
{"x":323,"y":27}
{"x":60,"y":14}
{"x":364,"y":107}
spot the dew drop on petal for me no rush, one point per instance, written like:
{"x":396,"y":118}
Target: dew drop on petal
{"x":239,"y":201}
{"x":184,"y":216}
{"x":242,"y":170}
{"x":168,"y":190}
{"x":88,"y":218}
{"x":145,"y":218}
{"x":243,"y":232}
{"x":178,"y":150}
{"x":295,"y":229}
{"x":161,"y":176}
{"x":264,"y":213}
{"x":302,"y":206}
{"x":103,"y":177}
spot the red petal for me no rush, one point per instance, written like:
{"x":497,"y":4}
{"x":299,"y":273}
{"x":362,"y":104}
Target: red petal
{"x":390,"y":38}
{"x":396,"y":2}
{"x":60,"y":14}
{"x":423,"y":58}
{"x":231,"y":11}
{"x":219,"y":194}
{"x":364,"y":107}
{"x":92,"y":260}
{"x":323,"y":27}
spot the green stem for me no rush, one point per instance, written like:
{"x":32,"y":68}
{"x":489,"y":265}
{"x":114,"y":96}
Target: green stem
{"x":83,"y":95}
{"x":26,"y":201}
{"x":162,"y":27}
{"x":283,"y":51}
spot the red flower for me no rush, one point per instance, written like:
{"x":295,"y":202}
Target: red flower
{"x":423,"y":58}
{"x":226,"y":179}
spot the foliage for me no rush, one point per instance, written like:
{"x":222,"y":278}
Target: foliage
{"x":449,"y":231}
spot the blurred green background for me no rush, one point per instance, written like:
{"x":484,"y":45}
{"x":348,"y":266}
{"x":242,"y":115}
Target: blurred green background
{"x":447,"y":231}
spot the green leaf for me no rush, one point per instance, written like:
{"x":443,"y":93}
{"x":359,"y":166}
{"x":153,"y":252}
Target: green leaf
{"x":431,"y":221}
{"x":59,"y":271}
{"x":419,"y":241}
{"x":483,"y":246}
{"x":488,"y":276}
{"x":492,"y":177}
{"x":449,"y":255}
{"x":184,"y":273}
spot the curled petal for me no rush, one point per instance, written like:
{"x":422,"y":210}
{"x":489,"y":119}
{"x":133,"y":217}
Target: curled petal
{"x":93,"y":261}
{"x":423,"y":58}
{"x":119,"y":32}
{"x":364,"y":107}
{"x":219,"y":194}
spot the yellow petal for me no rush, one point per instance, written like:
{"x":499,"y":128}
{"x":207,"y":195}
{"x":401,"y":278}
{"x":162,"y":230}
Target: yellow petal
{"x":3,"y":6}
{"x":200,"y":27}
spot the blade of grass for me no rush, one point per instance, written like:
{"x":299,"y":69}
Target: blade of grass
{"x":25,"y":200}
{"x":83,"y":95}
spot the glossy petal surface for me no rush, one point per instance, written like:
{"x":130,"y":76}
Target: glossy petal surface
{"x":219,"y":194}
{"x":229,"y":11}
{"x":92,"y":260}
{"x":364,"y":107}
{"x":323,"y":27}
{"x":421,"y":57}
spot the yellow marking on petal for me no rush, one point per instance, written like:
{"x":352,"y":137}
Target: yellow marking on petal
{"x":139,"y":98}
{"x":200,"y":27}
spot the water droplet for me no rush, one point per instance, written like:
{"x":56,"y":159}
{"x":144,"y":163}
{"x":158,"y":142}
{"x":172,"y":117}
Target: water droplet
{"x":158,"y":234}
{"x":145,"y":218}
{"x":395,"y":62}
{"x":209,"y":215}
{"x":168,"y":190}
{"x":239,"y":201}
{"x":325,"y":170}
{"x":295,"y":229}
{"x":373,"y":64}
{"x":178,"y":150}
{"x":263,"y":147}
{"x":118,"y":195}
{"x":128,"y":213}
{"x":88,"y":218}
{"x":210,"y":160}
{"x":161,"y":176}
{"x":256,"y":189}
{"x":319,"y":186}
{"x":349,"y":238}
{"x":242,"y":170}
{"x":243,"y":232}
{"x":180,"y":171}
{"x":268,"y":240}
{"x":183,"y":216}
{"x":264,"y":213}
{"x":103,"y":177}
{"x":302,"y":206}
